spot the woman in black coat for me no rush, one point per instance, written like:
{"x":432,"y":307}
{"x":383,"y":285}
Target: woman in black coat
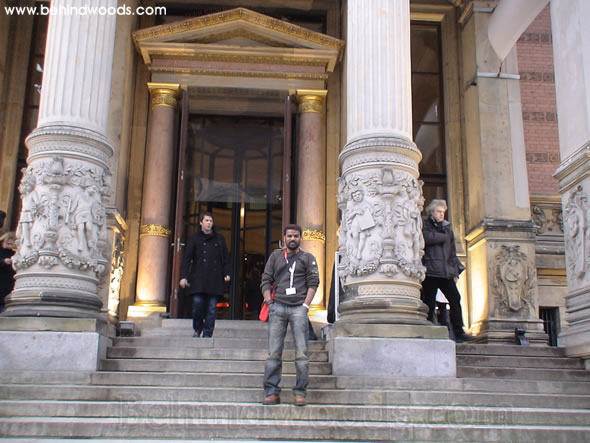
{"x":442,"y":266}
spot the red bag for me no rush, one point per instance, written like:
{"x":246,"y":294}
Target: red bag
{"x":263,"y":316}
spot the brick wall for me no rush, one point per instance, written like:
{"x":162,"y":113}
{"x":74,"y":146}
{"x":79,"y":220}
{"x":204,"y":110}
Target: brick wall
{"x":539,"y":111}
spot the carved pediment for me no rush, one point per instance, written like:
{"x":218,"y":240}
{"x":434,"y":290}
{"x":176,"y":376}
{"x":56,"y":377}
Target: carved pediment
{"x":240,"y":41}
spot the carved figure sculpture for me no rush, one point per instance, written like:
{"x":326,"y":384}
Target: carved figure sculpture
{"x":576,"y":228}
{"x":86,"y":212}
{"x":360,"y":220}
{"x":413,"y":229}
{"x":30,"y":208}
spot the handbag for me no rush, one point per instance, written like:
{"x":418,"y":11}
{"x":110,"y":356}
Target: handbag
{"x":264,"y":314}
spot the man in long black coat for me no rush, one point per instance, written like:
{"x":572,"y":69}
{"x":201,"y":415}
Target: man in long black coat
{"x":442,"y":266}
{"x":205,"y":268}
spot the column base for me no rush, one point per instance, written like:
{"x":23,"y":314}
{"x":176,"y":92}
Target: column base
{"x":317,"y":313}
{"x":53,"y":303}
{"x":393,"y":357}
{"x":576,"y":337}
{"x":501,"y":331}
{"x":54,"y":344}
{"x":146,"y":314}
{"x":390,"y":331}
{"x":388,"y":309}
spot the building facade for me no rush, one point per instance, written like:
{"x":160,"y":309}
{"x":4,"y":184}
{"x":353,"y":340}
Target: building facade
{"x":120,"y":129}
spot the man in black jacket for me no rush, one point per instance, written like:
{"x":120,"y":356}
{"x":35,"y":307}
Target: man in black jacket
{"x":442,"y":266}
{"x":205,"y":268}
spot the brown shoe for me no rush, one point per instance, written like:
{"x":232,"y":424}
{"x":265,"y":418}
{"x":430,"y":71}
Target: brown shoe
{"x":299,"y":400}
{"x":272,"y":399}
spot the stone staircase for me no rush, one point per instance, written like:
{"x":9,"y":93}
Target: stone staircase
{"x":168,"y":385}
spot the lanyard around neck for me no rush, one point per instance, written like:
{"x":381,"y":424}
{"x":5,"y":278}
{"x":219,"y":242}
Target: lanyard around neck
{"x":286,"y":253}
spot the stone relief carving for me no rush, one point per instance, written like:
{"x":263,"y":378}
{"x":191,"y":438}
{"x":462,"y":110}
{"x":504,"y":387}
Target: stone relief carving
{"x":117,"y":268}
{"x":381,"y":227}
{"x":514,"y":283}
{"x":63,"y":216}
{"x":547,"y":224}
{"x":577,"y":233}
{"x":31,"y":209}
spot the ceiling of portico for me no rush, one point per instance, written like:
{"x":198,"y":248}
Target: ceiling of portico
{"x":238,"y":48}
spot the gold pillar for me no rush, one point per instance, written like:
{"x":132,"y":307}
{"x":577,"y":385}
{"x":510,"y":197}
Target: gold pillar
{"x":311,"y":184}
{"x":155,"y":231}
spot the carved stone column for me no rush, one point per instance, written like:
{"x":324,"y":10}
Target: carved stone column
{"x":572,"y":83}
{"x":501,"y":266}
{"x":62,"y":245}
{"x":382,"y":327}
{"x":311,"y":181}
{"x":155,"y":232}
{"x":380,"y":196}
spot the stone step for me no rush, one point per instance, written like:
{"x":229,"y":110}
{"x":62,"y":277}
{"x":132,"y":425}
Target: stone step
{"x":215,"y":366}
{"x":315,"y":396}
{"x":218,"y":333}
{"x":520,"y":362}
{"x":524,"y":373}
{"x":181,"y":379}
{"x":187,"y":323}
{"x":505,"y":350}
{"x":159,"y":379}
{"x":205,"y":353}
{"x":222,"y":343}
{"x":135,"y":411}
{"x":82,"y":427}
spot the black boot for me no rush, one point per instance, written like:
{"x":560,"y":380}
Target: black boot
{"x":461,"y":336}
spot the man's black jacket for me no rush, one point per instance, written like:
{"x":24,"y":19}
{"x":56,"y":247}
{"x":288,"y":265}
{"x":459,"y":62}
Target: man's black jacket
{"x":440,"y":254}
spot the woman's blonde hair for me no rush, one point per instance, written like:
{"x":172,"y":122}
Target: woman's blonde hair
{"x":435,"y":204}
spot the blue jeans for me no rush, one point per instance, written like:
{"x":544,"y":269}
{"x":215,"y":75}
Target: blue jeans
{"x":279,"y":318}
{"x":204,"y":308}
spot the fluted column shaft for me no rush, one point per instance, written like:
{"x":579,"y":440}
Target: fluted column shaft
{"x":155,"y":232}
{"x":80,"y":54}
{"x":379,"y":194}
{"x":311,"y":179}
{"x":62,"y":246}
{"x":379,"y":89}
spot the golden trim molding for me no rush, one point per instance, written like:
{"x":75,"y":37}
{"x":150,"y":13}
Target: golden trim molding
{"x":155,"y":231}
{"x":164,"y":94}
{"x":314,"y":235}
{"x":203,"y":72}
{"x":238,"y":58}
{"x":311,"y":100}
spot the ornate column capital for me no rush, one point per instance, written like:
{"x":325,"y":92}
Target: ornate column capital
{"x":314,"y":235}
{"x":164,"y":94}
{"x":311,"y":100}
{"x":155,"y":230}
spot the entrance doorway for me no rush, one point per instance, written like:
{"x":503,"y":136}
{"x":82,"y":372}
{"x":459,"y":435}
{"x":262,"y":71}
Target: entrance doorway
{"x":234,"y":169}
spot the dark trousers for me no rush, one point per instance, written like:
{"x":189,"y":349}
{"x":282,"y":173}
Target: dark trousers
{"x":448,"y":287}
{"x":204,"y":312}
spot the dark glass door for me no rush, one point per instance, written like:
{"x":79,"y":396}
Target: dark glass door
{"x":234,"y":169}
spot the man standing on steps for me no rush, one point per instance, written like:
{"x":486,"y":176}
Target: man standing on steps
{"x":442,"y":267}
{"x":295,"y":277}
{"x":205,"y":268}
